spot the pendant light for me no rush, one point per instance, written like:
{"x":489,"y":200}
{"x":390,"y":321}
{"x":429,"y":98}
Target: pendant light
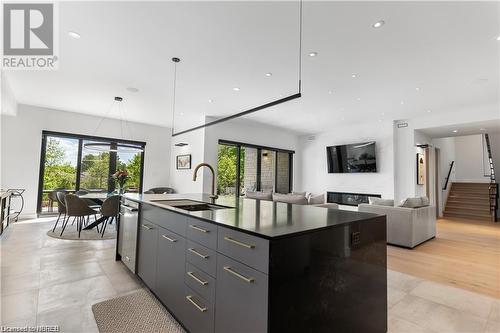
{"x":114,"y":147}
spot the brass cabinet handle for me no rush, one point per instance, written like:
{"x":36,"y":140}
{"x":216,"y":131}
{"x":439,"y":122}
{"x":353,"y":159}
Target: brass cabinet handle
{"x":201,"y":308}
{"x":237,"y":242}
{"x":147,"y":227}
{"x":169,"y":239}
{"x":197,"y":279}
{"x":204,"y":256}
{"x":244,"y":278}
{"x":192,"y":226}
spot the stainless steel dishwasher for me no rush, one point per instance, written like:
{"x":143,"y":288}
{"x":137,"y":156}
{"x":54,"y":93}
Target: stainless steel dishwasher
{"x":127,"y":235}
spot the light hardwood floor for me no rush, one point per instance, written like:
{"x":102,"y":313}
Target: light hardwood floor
{"x":464,"y":254}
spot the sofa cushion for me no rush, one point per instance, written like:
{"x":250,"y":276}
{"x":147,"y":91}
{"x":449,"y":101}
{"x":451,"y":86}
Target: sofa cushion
{"x":290,"y":198}
{"x":317,"y":199}
{"x":259,"y":195}
{"x":381,"y":202}
{"x":411,"y":202}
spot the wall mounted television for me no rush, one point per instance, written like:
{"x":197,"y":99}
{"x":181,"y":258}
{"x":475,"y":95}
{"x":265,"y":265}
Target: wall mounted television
{"x":352,"y":158}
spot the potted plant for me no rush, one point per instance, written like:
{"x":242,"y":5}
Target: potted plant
{"x":120,"y":177}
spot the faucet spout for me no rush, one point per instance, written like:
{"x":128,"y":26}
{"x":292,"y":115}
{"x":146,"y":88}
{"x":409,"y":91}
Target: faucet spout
{"x":213,"y":196}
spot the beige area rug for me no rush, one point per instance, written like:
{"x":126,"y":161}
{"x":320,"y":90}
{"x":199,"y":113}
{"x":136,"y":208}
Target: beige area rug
{"x":139,"y":312}
{"x":72,"y":234}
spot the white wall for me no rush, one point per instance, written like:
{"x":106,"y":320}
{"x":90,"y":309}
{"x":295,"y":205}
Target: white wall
{"x":315,"y":177}
{"x":21,"y":146}
{"x":469,"y":159}
{"x":446,"y":156}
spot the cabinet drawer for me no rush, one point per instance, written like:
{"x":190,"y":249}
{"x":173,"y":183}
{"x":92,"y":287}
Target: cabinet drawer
{"x":250,"y":250}
{"x":200,"y":282}
{"x":202,"y":232}
{"x":242,"y":294}
{"x":164,"y":218}
{"x":198,"y":313}
{"x":202,"y":257}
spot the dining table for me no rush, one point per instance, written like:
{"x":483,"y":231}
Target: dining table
{"x":98,"y":198}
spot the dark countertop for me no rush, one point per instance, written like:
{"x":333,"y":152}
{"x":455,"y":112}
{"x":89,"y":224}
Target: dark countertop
{"x":266,"y":219}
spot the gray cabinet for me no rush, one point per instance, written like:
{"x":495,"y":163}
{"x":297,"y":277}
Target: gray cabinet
{"x":198,"y":312}
{"x":147,"y":253}
{"x":171,"y":270}
{"x":242,"y":298}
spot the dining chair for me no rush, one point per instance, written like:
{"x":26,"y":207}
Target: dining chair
{"x":52,"y":198}
{"x":61,"y":208}
{"x":109,"y":211}
{"x":79,"y":210}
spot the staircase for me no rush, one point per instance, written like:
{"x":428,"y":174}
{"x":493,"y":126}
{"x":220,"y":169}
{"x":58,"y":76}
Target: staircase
{"x":469,"y":201}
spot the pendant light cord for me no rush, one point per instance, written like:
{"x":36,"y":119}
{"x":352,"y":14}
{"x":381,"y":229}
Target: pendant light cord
{"x":175,"y":61}
{"x":300,"y":46}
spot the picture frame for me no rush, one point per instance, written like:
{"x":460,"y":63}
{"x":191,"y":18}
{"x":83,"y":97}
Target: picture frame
{"x":420,"y":169}
{"x":183,"y":162}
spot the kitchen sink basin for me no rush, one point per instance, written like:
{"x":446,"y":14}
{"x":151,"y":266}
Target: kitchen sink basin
{"x":190,"y":205}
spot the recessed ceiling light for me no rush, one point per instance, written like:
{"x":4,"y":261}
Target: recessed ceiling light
{"x":498,"y":38}
{"x":182,"y":113}
{"x":455,"y":131}
{"x":354,"y":75}
{"x":378,"y":24}
{"x":236,"y":89}
{"x":269,"y":74}
{"x":359,"y":98}
{"x":429,"y":111}
{"x":210,"y":101}
{"x":74,"y":35}
{"x":132,"y":89}
{"x":313,"y":54}
{"x":402,"y":102}
{"x":417,"y":89}
{"x":330,"y":92}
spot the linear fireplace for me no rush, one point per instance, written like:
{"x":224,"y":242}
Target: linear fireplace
{"x":350,"y":199}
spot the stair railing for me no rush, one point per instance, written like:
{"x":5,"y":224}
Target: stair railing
{"x":447,"y":179}
{"x":493,"y":188}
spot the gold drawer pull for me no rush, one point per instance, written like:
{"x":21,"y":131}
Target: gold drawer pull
{"x":201,"y":308}
{"x":204,"y":256}
{"x":147,"y":227}
{"x":197,"y":279}
{"x":244,"y":278}
{"x":169,"y":239}
{"x":192,"y":226}
{"x":237,"y":242}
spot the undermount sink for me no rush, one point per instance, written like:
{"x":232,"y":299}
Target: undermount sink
{"x":190,"y":205}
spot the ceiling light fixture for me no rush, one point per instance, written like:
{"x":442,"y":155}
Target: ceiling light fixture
{"x":313,"y":54}
{"x":115,"y":147}
{"x":210,"y":101}
{"x":354,"y":76}
{"x":269,"y":74}
{"x":74,"y":35}
{"x":132,"y":89}
{"x":378,"y":24}
{"x":402,"y":102}
{"x":482,"y":129}
{"x":429,"y":111}
{"x":358,"y":99}
{"x":498,"y":38}
{"x":236,"y":89}
{"x":455,"y":131}
{"x":417,"y":89}
{"x":330,"y":92}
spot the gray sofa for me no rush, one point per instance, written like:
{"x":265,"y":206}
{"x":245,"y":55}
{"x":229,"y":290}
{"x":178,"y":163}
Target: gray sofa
{"x":407,"y":227}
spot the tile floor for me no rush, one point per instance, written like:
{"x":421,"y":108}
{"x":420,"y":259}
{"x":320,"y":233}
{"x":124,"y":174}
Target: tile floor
{"x":46,"y":281}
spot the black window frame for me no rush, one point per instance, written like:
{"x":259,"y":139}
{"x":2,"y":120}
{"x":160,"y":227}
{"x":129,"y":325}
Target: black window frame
{"x":81,"y":138}
{"x":259,"y":148}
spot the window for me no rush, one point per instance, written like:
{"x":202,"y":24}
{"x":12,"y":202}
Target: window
{"x":243,"y":167}
{"x":67,"y":165}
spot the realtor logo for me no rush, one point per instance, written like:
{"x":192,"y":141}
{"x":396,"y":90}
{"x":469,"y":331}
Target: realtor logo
{"x":29,"y":32}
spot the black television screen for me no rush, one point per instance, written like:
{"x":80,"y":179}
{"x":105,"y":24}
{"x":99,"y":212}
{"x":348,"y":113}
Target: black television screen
{"x":358,"y":157}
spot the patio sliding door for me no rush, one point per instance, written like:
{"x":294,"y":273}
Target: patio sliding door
{"x":66,"y":164}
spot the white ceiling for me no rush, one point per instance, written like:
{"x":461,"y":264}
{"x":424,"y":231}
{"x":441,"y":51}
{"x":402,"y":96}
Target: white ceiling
{"x":446,"y":49}
{"x":480,"y":127}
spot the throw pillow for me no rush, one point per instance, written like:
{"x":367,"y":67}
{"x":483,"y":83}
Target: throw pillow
{"x":317,"y":199}
{"x":411,"y":203}
{"x":290,"y":198}
{"x":380,"y":202}
{"x":259,"y":195}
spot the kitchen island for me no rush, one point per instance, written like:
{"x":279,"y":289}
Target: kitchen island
{"x":245,"y":265}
